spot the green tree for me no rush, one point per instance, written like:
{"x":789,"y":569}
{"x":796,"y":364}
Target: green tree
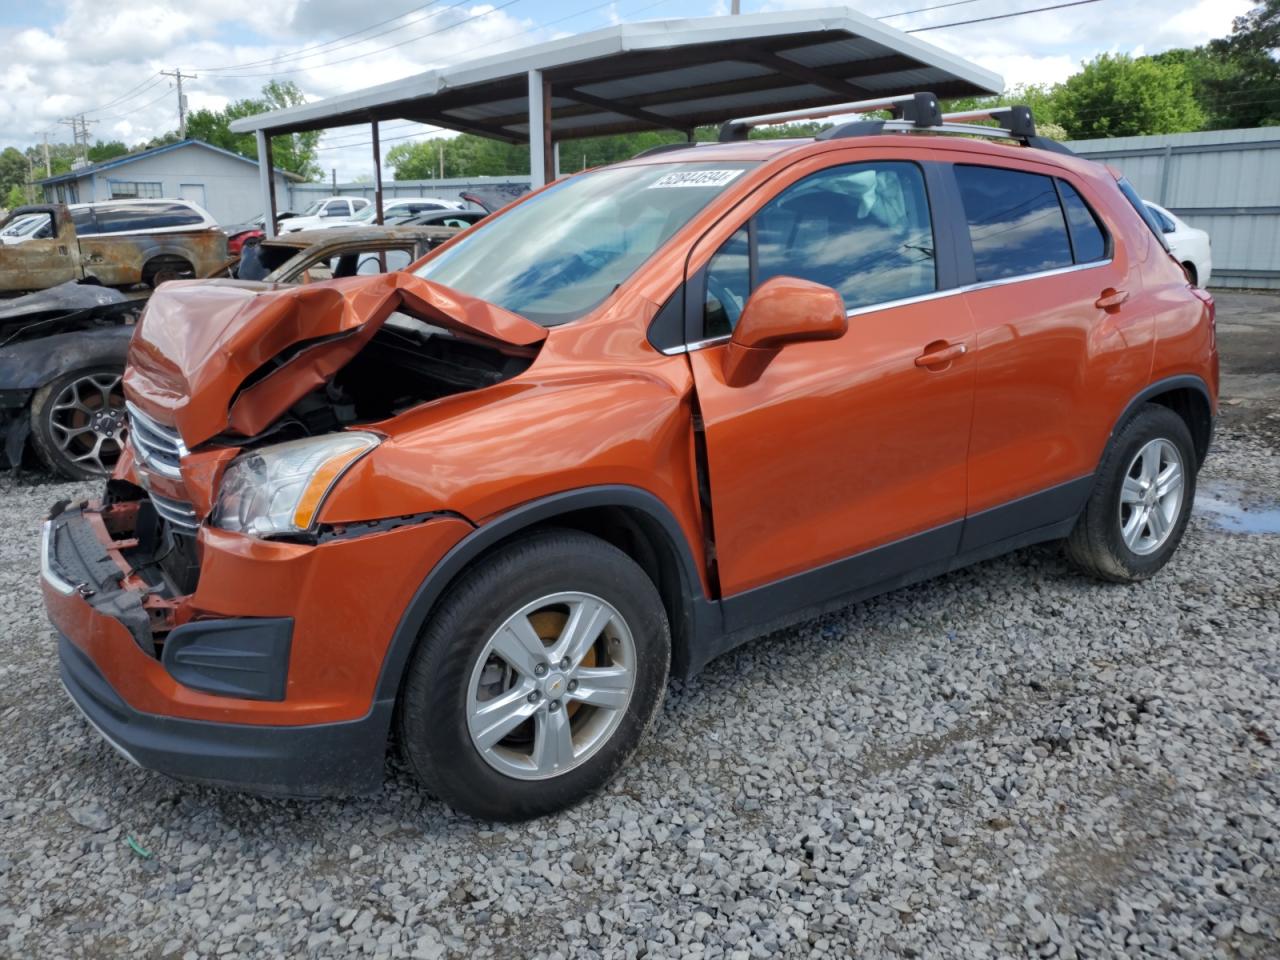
{"x":294,"y":152}
{"x":1116,"y":95}
{"x":101,"y":151}
{"x":13,"y":172}
{"x":16,"y":197}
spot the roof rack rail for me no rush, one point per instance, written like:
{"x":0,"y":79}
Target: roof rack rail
{"x":910,"y":112}
{"x":918,"y":109}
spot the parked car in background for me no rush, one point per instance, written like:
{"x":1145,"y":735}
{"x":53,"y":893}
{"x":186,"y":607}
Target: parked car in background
{"x":62,"y":354}
{"x":441,"y":218}
{"x":24,"y":228}
{"x":238,"y":233}
{"x":1189,"y":244}
{"x":309,"y":256}
{"x":117,"y":244}
{"x":394,"y":211}
{"x":120,"y":217}
{"x":610,"y":433}
{"x":325,"y":212}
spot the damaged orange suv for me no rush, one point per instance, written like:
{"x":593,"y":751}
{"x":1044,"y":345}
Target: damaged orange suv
{"x":487,"y":506}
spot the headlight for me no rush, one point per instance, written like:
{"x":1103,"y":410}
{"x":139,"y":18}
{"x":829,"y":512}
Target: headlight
{"x":279,"y":489}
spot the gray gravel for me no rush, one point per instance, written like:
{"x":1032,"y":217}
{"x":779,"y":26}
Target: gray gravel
{"x":1011,"y":761}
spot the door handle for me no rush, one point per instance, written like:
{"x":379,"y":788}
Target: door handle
{"x":940,"y":356}
{"x":1111,"y":299}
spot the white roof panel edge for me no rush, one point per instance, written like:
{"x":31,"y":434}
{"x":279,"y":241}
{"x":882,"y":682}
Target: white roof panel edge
{"x":623,"y":38}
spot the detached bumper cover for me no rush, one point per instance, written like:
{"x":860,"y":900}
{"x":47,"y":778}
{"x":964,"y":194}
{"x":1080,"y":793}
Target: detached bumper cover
{"x":303,"y":761}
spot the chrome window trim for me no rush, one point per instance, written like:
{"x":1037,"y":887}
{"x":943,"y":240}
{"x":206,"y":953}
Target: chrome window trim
{"x":921,"y":298}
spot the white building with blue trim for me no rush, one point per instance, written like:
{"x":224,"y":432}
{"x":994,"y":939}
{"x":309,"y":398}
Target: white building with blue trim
{"x":224,"y":183}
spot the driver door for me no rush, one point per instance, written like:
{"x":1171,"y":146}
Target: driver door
{"x":51,"y":256}
{"x":846,"y":460}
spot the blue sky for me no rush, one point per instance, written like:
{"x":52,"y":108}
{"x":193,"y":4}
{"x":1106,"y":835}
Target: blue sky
{"x":102,"y":58}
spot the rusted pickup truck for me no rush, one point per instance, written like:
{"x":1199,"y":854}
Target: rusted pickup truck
{"x":72,"y":247}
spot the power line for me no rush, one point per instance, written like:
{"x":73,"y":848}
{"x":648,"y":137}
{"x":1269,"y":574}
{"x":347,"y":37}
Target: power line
{"x":1000,"y":16}
{"x":333,"y":63}
{"x":936,"y":6}
{"x":317,"y":46}
{"x":141,"y":88}
{"x":298,"y":55}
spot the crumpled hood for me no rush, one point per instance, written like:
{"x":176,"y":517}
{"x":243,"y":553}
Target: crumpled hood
{"x":211,"y":356}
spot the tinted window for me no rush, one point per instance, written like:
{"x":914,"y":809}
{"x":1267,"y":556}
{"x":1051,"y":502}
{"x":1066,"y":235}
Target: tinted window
{"x":862,"y":229}
{"x":140,"y":217}
{"x":728,"y":285}
{"x":1015,"y":222}
{"x":1166,"y":225}
{"x":84,"y":223}
{"x":336,"y":208}
{"x":1142,"y":209}
{"x":1088,"y":242}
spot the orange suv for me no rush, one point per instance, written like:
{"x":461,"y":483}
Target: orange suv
{"x":488,"y":505}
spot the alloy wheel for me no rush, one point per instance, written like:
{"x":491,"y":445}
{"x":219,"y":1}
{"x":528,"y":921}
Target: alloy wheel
{"x":551,"y":686}
{"x":87,"y":421}
{"x":1151,"y":496}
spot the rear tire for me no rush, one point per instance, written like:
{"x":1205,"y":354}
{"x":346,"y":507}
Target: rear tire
{"x":160,"y":269}
{"x":536,"y":677}
{"x":1141,"y":500}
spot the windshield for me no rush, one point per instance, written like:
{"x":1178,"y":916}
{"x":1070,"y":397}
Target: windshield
{"x":315,"y":208}
{"x":558,"y":255}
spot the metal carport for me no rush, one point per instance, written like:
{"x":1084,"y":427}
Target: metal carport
{"x":674,"y":74}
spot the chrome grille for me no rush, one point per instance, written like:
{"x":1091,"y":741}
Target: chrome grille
{"x":178,"y":512}
{"x":158,"y":447}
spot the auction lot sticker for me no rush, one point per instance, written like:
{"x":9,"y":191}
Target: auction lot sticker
{"x":696,"y":178}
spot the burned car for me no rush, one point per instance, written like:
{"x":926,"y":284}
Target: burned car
{"x":62,"y":354}
{"x":308,"y":256}
{"x":117,"y":244}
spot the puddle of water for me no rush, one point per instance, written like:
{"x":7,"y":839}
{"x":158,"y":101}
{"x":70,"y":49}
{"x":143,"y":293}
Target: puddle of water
{"x":1222,"y":505}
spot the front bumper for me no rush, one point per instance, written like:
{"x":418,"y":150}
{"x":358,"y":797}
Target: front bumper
{"x":308,"y":761}
{"x":315,"y":621}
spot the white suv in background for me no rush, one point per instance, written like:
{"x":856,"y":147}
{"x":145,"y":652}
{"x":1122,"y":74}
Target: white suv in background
{"x":325,"y":213}
{"x":1188,"y":244}
{"x":399,"y":207}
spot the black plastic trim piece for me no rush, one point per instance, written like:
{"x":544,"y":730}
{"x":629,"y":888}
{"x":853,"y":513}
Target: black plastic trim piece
{"x":1183,"y":381}
{"x":665,"y":148}
{"x":246,"y":657}
{"x":698,"y":616}
{"x":329,"y":759}
{"x":666,"y":329}
{"x":922,"y":110}
{"x":854,"y":128}
{"x":833,"y":581}
{"x":1057,"y":504}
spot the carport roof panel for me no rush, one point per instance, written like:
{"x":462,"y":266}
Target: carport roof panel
{"x":660,"y":73}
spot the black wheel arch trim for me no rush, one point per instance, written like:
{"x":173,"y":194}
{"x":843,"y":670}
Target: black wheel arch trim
{"x":699,"y":617}
{"x":1182,"y":381}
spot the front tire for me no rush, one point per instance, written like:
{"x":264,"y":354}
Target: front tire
{"x":1141,"y":501}
{"x":536,"y":677}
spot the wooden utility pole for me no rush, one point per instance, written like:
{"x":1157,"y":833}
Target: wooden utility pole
{"x":179,"y":76}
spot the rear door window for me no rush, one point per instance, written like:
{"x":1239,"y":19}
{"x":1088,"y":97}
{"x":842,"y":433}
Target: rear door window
{"x":1016,"y":224}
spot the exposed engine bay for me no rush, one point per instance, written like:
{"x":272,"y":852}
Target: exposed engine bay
{"x":408,"y":362}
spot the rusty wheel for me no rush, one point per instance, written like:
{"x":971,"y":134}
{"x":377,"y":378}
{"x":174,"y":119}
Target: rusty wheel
{"x":78,"y":423}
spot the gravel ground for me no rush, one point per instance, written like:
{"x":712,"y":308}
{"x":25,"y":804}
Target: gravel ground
{"x":1010,"y":761}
